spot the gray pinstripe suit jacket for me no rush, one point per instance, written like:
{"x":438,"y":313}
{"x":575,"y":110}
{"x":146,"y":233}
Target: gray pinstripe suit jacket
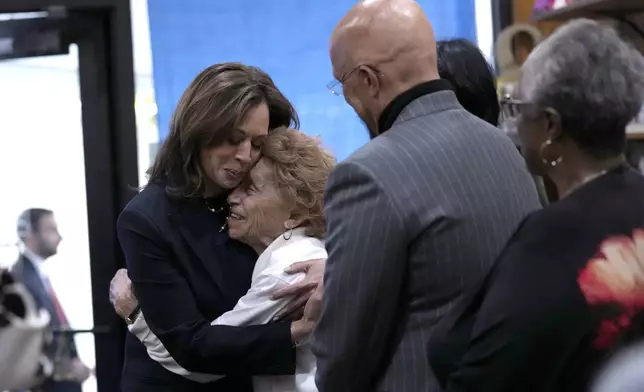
{"x":414,"y":218}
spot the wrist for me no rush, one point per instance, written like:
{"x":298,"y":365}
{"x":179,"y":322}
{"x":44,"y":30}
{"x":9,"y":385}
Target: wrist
{"x":131,"y":318}
{"x":296,"y":334}
{"x":300,"y":333}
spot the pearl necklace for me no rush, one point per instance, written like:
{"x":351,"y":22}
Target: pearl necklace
{"x":216,"y":211}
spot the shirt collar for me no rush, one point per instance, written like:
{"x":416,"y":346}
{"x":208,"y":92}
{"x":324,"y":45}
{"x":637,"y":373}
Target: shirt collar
{"x":393,"y":109}
{"x":35,"y":259}
{"x":279,"y":242}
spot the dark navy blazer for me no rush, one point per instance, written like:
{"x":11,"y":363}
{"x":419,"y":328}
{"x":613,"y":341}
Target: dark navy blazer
{"x":186,"y":272}
{"x":25,"y":272}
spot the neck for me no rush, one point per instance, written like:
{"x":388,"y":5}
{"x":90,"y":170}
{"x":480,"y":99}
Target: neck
{"x":573,"y":175}
{"x":259,"y":245}
{"x":33,"y":252}
{"x":401,"y":87}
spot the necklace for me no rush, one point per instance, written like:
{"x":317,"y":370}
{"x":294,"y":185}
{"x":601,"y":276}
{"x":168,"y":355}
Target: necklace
{"x":216,"y":211}
{"x":223,"y":227}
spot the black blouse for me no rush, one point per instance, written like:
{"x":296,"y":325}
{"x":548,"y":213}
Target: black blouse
{"x":559,"y":298}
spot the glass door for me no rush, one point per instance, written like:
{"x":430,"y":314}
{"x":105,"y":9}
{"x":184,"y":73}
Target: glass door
{"x":43,"y":214}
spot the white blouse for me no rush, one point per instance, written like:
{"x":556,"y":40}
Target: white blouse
{"x":256,"y":307}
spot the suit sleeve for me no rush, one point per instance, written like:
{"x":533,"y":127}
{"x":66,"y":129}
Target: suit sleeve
{"x":362,"y":283}
{"x":254,"y":308}
{"x":173,"y":316}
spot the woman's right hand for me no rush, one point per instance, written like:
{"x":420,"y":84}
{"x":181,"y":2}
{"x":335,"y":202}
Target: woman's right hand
{"x":301,"y":329}
{"x":122,"y":295}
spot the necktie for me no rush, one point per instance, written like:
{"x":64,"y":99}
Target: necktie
{"x":60,"y":313}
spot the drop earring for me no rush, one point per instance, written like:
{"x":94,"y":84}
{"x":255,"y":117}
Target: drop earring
{"x":551,"y":163}
{"x":288,"y":233}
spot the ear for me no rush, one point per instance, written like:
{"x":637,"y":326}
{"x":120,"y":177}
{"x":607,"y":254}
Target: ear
{"x":293,"y":222}
{"x":553,"y":123}
{"x":370,"y":79}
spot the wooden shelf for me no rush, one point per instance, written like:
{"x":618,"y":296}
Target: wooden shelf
{"x":590,"y":9}
{"x":635,"y":131}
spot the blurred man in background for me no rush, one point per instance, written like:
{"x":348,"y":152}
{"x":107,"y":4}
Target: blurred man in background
{"x":38,"y":231}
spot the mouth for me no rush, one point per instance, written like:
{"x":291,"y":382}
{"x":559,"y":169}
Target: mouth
{"x":235,"y":217}
{"x":233,"y":173}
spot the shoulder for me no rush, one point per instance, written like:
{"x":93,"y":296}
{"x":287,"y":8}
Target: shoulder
{"x":151,"y":206}
{"x":151,"y":198}
{"x":540,"y":265}
{"x":555,"y":237}
{"x":19,"y":268}
{"x":296,"y":250}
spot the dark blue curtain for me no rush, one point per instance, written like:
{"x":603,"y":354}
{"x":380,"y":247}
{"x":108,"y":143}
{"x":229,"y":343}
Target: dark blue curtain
{"x":286,"y":38}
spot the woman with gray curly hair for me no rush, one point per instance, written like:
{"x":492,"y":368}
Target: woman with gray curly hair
{"x":569,"y":286}
{"x":278,"y":212}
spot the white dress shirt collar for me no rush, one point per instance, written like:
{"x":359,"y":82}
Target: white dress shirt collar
{"x":37,"y":261}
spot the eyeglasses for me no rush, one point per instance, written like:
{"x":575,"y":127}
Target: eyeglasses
{"x":511,"y":107}
{"x":335,"y":86}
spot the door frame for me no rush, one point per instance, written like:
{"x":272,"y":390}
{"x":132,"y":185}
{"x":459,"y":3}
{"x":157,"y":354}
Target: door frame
{"x":102,"y":31}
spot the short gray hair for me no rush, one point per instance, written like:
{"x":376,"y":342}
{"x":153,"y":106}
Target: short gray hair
{"x":592,"y":78}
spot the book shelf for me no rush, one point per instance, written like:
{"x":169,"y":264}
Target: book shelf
{"x":592,"y":9}
{"x":620,"y":10}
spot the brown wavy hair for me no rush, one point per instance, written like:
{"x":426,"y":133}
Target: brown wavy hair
{"x":209,"y":110}
{"x":301,"y":168}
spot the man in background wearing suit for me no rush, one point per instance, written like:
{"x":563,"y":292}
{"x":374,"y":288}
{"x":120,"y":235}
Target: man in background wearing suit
{"x":38,"y":231}
{"x":416,"y":216}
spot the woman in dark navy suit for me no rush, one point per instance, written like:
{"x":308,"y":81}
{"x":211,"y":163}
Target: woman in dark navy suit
{"x":184,"y":268}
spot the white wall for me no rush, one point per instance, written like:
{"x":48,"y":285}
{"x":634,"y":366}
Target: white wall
{"x":485,"y":28}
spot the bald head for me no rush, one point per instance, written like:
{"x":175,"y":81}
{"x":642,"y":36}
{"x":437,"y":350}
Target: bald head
{"x":393,"y":36}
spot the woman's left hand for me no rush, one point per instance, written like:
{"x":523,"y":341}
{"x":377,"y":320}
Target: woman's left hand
{"x":122,"y":294}
{"x":303,"y":290}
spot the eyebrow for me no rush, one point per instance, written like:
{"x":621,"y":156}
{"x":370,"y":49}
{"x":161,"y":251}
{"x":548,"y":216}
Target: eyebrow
{"x":243,"y":132}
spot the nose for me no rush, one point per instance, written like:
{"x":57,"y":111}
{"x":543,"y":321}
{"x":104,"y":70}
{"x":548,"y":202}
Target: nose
{"x":235,"y":197}
{"x":243,"y":153}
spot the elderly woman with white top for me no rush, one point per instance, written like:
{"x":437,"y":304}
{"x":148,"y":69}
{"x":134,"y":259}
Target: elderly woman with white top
{"x":278,"y":211}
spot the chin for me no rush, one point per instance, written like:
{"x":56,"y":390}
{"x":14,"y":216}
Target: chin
{"x":234,"y":232}
{"x":229,"y":184}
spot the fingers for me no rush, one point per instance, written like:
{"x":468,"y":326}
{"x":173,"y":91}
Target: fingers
{"x":297,"y":304}
{"x":296,"y":268}
{"x":304,"y":266}
{"x":296,"y":289}
{"x":298,"y":314}
{"x":119,"y":282}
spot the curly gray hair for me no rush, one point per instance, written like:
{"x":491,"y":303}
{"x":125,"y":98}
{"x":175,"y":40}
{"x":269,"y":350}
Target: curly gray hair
{"x":592,"y":78}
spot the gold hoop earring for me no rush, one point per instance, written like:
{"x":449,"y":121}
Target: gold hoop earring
{"x":551,"y":163}
{"x":288,"y":233}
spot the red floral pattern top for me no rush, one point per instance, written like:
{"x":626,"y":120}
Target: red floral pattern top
{"x":615,"y":277}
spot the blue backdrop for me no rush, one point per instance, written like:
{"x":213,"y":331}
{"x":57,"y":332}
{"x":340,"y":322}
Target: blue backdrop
{"x":286,"y":38}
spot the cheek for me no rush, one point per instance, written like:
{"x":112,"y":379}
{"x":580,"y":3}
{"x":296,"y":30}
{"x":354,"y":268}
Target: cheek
{"x":530,"y":144}
{"x":264,"y":217}
{"x":256,"y":218}
{"x":213,"y":158}
{"x":255,"y":155}
{"x":51,"y":240}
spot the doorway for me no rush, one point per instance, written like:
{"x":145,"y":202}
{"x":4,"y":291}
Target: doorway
{"x":69,"y":145}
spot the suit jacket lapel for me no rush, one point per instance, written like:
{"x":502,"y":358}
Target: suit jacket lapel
{"x":31,"y":278}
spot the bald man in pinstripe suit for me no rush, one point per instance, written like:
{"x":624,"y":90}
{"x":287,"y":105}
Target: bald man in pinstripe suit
{"x":416,"y":216}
